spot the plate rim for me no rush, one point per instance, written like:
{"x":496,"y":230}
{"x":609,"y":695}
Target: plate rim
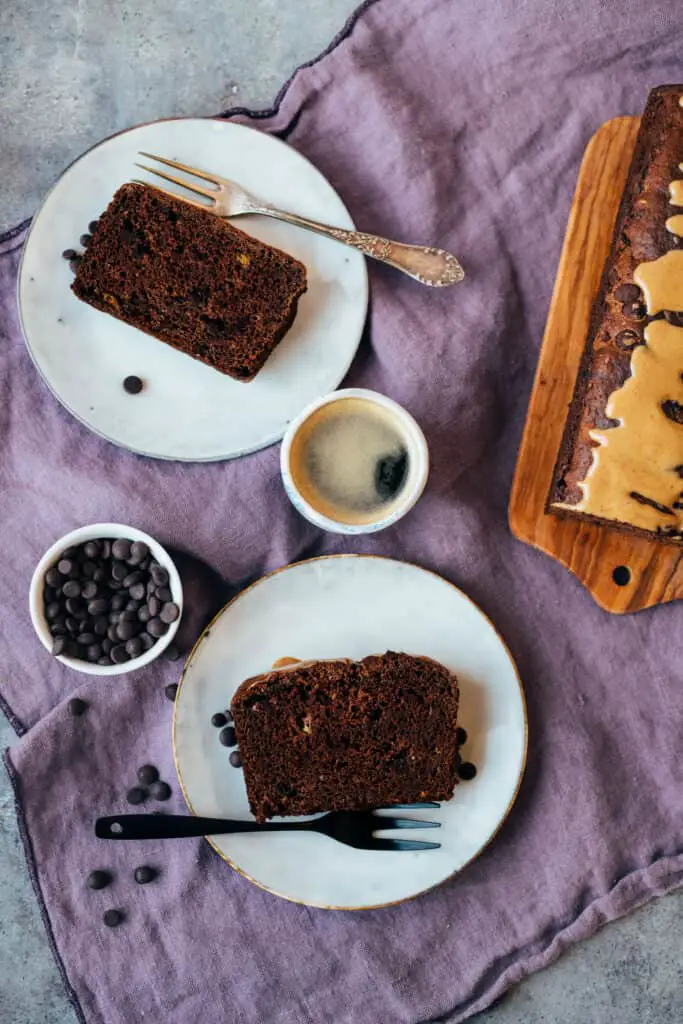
{"x":430,"y":888}
{"x":261,"y":446}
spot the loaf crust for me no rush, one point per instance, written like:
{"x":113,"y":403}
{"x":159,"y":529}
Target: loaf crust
{"x":619,"y":317}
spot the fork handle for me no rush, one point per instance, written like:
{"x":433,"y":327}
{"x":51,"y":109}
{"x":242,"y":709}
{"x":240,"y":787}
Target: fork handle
{"x":434,"y":267}
{"x":183,"y":826}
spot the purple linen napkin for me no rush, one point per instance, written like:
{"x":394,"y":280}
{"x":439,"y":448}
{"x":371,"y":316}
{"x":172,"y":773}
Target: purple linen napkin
{"x":462,"y":125}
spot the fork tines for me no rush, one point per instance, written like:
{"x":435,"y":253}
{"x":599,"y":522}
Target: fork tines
{"x":191,"y":186}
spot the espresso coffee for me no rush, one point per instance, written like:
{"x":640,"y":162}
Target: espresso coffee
{"x":350,"y":462}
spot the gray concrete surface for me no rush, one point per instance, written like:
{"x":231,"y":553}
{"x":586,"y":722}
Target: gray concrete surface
{"x":71,"y":73}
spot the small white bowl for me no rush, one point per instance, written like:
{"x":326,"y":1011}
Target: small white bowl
{"x":102,"y":531}
{"x":418,"y":462}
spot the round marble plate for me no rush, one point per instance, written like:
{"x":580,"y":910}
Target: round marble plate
{"x":351,"y":606}
{"x":187,"y":410}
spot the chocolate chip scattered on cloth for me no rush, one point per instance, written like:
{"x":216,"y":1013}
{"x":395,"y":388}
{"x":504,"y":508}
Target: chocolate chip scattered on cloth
{"x":462,"y":125}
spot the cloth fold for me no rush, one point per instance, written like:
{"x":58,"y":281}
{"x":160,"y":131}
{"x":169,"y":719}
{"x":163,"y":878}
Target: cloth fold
{"x":460,"y":125}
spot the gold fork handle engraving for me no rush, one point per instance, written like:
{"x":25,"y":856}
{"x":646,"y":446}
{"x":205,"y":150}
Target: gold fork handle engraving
{"x":434,"y":267}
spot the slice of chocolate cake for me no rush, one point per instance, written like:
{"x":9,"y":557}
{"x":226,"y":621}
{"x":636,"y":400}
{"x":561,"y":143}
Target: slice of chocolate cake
{"x":190,"y":279}
{"x":347,"y":735}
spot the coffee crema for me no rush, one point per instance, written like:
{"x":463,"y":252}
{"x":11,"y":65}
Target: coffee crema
{"x":349,"y":461}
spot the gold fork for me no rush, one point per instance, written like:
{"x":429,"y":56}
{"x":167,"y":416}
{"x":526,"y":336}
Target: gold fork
{"x":430,"y":266}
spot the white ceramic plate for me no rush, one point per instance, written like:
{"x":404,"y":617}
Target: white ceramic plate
{"x":351,"y":606}
{"x":187,"y":410}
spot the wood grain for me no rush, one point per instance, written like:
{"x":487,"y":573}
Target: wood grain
{"x":592,"y":553}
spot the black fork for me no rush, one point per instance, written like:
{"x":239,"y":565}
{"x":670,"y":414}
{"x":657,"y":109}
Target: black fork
{"x":354,"y":828}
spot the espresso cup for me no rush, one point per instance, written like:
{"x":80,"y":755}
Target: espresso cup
{"x":354,"y":462}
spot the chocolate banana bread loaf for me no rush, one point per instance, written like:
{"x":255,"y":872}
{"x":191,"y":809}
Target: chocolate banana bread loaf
{"x":347,"y":735}
{"x":621,"y":457}
{"x":190,"y":279}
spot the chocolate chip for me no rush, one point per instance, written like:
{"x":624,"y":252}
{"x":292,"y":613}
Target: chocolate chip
{"x":107,"y":645}
{"x":147,"y":641}
{"x":673,"y":410}
{"x":136,"y":795}
{"x":172,"y":653}
{"x":144,"y":874}
{"x":132,"y":578}
{"x":112,"y":633}
{"x":77,"y":707}
{"x":69,"y":254}
{"x":92,"y":549}
{"x":148,"y":774}
{"x":121,"y":549}
{"x":467,"y":771}
{"x":169,"y":613}
{"x":171,"y":691}
{"x":59,"y":645}
{"x":627,"y":293}
{"x":126,"y":630}
{"x":156,"y":628}
{"x":158,"y":574}
{"x":73,"y":605}
{"x":92,"y":226}
{"x":137,"y":591}
{"x":460,"y":736}
{"x":219,"y":720}
{"x":65,"y":565}
{"x":106,"y":548}
{"x":89,"y":590}
{"x":98,"y":879}
{"x":74,"y":264}
{"x":94,"y":653}
{"x":634,"y":310}
{"x":134,"y":647}
{"x":52,"y":611}
{"x":119,"y":654}
{"x":104,"y":660}
{"x":113,"y":918}
{"x":133,"y":385}
{"x":155,"y":606}
{"x":118,"y":602}
{"x":98,"y":606}
{"x":71,"y":588}
{"x":53,"y":577}
{"x":138,"y":552}
{"x":235,"y":759}
{"x":85,"y":639}
{"x":164,"y":594}
{"x":119,"y":571}
{"x":160,"y":790}
{"x":228,"y":736}
{"x":71,"y":624}
{"x":228,"y":715}
{"x":144,"y":614}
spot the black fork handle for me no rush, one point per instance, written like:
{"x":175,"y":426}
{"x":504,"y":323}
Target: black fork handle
{"x":183,"y":826}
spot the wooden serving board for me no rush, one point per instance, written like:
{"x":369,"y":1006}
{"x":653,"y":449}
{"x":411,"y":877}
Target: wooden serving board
{"x":623,"y":572}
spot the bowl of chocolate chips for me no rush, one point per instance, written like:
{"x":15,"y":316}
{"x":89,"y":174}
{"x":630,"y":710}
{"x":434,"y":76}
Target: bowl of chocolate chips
{"x":106,"y":599}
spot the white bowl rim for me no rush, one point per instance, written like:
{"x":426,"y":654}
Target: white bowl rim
{"x":418,"y":451}
{"x":100,"y":531}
